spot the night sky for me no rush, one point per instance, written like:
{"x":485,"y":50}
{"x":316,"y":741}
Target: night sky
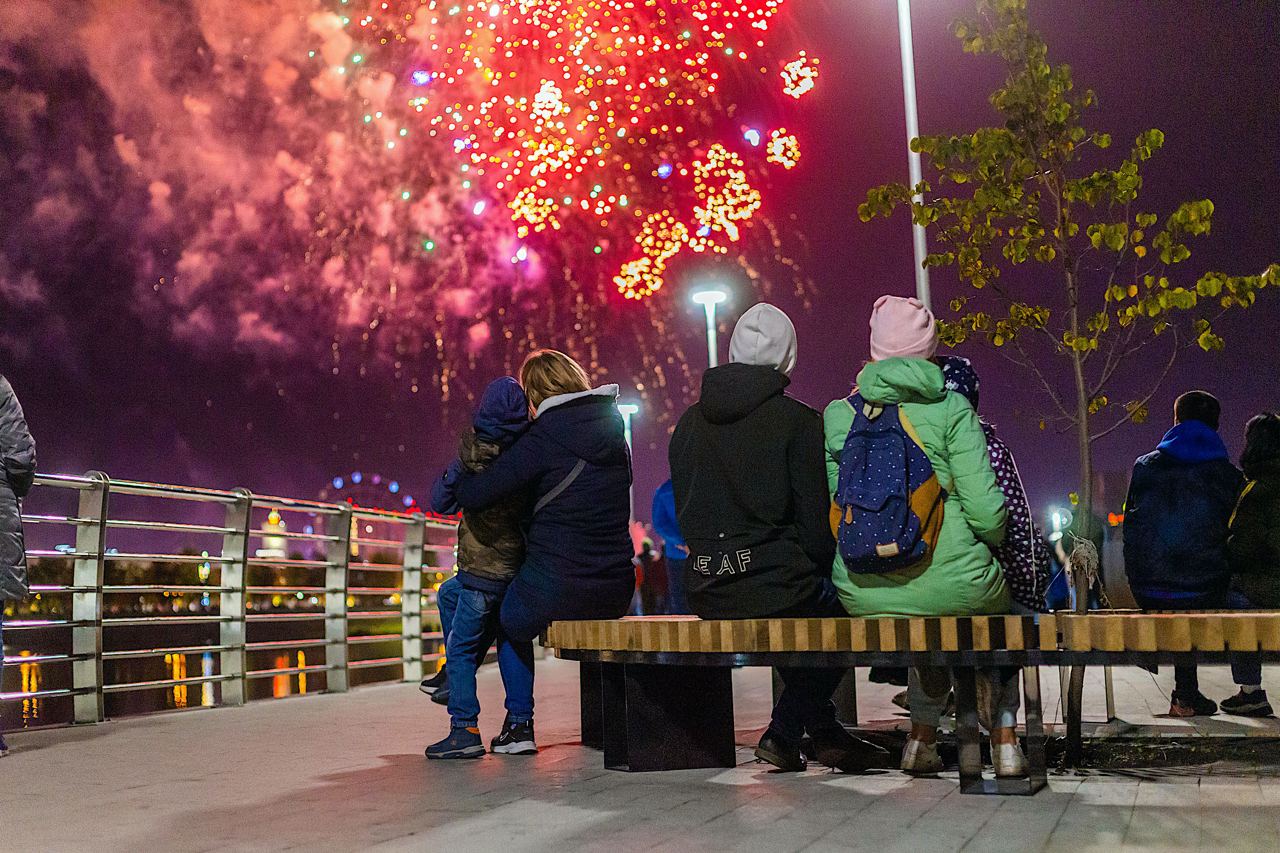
{"x":197,"y":392}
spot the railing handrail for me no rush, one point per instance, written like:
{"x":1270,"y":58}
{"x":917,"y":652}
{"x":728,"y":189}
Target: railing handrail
{"x":237,"y":602}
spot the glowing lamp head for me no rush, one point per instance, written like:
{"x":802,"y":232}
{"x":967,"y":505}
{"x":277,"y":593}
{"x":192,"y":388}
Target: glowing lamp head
{"x":752,"y":136}
{"x":628,"y":409}
{"x":665,"y":170}
{"x":709,"y":297}
{"x":421,"y":78}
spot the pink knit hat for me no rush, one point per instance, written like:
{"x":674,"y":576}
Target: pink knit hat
{"x":902,"y":328}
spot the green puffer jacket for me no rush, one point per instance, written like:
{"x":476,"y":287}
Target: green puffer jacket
{"x":1253,"y":548}
{"x":962,"y":578}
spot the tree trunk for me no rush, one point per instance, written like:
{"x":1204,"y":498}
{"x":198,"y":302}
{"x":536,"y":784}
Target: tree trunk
{"x":1080,"y":584}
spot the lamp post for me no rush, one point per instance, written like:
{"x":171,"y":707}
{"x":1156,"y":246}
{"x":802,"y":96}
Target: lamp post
{"x":709,"y":299}
{"x":627,"y":410}
{"x":913,"y":130}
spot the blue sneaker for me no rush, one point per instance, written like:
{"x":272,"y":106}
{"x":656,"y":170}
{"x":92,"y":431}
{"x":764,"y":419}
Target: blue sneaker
{"x":461,"y":743}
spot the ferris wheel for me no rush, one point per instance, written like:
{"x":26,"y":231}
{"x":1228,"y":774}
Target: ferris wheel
{"x":370,"y":491}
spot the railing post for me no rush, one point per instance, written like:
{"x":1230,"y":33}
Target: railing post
{"x":233,"y":633}
{"x":86,"y":602}
{"x":411,"y":598}
{"x":335,"y":601}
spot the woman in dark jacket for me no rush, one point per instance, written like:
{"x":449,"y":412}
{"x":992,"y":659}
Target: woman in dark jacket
{"x":1253,"y":553}
{"x":576,"y":467}
{"x":18,"y":454}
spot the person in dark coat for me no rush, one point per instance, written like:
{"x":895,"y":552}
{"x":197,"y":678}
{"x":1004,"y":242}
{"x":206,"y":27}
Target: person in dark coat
{"x":18,"y":453}
{"x":490,"y":551}
{"x":1253,"y":552}
{"x":1180,"y":501}
{"x":575,"y":466}
{"x":749,"y":475}
{"x":674,"y":549}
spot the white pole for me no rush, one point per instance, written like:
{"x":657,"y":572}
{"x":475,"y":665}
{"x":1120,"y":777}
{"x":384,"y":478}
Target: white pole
{"x":712,"y":347}
{"x":913,"y":131}
{"x":627,"y":410}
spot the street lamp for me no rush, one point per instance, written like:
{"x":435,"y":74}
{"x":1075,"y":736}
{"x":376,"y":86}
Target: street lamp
{"x":709,"y":299}
{"x":913,"y":131}
{"x":627,"y":410}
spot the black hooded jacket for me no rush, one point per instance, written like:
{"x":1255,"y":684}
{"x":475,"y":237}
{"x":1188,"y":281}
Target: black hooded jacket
{"x":750,"y":481}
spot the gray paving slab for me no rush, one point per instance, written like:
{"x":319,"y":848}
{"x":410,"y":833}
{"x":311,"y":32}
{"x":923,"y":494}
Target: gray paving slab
{"x":346,"y":773}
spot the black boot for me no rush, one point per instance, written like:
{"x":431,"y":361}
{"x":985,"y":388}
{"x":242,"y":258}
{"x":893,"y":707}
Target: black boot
{"x":781,"y":753}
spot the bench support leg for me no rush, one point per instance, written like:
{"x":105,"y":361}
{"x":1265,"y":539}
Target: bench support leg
{"x":970,"y":746}
{"x":667,"y":717}
{"x":592,"y":704}
{"x":1037,"y":772}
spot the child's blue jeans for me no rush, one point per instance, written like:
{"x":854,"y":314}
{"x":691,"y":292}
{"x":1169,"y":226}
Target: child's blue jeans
{"x":447,"y":604}
{"x":473,"y":628}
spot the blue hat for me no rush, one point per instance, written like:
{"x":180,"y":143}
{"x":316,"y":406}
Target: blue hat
{"x":504,"y":412}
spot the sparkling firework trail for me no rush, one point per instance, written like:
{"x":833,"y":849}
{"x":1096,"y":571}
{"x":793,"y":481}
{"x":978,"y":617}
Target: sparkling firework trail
{"x":412,"y":189}
{"x":590,"y":117}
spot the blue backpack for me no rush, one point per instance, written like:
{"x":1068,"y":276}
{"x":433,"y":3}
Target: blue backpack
{"x":888,"y":497}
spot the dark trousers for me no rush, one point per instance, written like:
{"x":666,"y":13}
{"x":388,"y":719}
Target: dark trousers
{"x":1186,"y":679}
{"x":1245,"y":668}
{"x":805,"y":705}
{"x":534,"y":600}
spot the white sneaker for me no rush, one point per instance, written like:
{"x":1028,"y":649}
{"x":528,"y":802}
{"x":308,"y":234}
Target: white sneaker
{"x":920,"y":758}
{"x":1009,"y":761}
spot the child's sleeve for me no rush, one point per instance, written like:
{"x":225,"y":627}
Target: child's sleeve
{"x":443,"y":500}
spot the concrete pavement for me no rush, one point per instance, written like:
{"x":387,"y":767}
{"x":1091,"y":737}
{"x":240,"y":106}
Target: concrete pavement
{"x":346,"y":772}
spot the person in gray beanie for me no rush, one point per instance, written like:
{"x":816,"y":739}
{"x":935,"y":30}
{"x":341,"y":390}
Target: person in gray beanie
{"x":747,"y":467}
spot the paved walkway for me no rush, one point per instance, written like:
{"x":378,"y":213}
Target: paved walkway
{"x":347,"y":773}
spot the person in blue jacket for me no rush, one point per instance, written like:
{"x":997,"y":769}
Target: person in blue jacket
{"x":674,"y":549}
{"x":1176,"y":525}
{"x":575,"y":463}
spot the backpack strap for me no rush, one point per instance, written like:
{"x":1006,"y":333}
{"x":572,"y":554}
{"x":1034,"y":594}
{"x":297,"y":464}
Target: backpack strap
{"x":870,"y":411}
{"x":560,"y":486}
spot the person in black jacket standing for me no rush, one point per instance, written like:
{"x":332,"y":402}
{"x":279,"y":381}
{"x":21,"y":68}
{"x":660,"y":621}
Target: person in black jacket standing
{"x":747,"y":465}
{"x":1176,"y":522}
{"x":18,"y":455}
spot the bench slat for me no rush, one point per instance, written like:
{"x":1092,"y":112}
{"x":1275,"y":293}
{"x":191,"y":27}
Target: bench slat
{"x":1099,"y":632}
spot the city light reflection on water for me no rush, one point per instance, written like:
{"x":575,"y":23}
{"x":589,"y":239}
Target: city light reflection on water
{"x":31,"y":681}
{"x":33,"y":711}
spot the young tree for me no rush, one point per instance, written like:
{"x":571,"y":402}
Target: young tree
{"x":1105,"y":293}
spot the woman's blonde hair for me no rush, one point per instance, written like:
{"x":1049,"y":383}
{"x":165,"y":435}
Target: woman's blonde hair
{"x":547,"y":373}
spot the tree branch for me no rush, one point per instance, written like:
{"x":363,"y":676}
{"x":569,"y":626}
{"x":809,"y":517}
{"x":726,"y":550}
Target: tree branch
{"x":1034,"y":368}
{"x":1128,"y":415}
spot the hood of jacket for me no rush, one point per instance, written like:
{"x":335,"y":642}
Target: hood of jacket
{"x":733,"y":391}
{"x":586,"y":423}
{"x":901,"y":380}
{"x":1193,"y":441}
{"x":764,"y":336}
{"x":503,"y":415}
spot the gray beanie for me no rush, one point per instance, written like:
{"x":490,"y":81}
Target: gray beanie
{"x":765,"y":336}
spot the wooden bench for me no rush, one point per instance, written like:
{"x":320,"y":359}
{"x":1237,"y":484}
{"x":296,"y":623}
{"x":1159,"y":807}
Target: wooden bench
{"x":657,"y":694}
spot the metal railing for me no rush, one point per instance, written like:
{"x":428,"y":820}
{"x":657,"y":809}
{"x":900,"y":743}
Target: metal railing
{"x":368,"y":582}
